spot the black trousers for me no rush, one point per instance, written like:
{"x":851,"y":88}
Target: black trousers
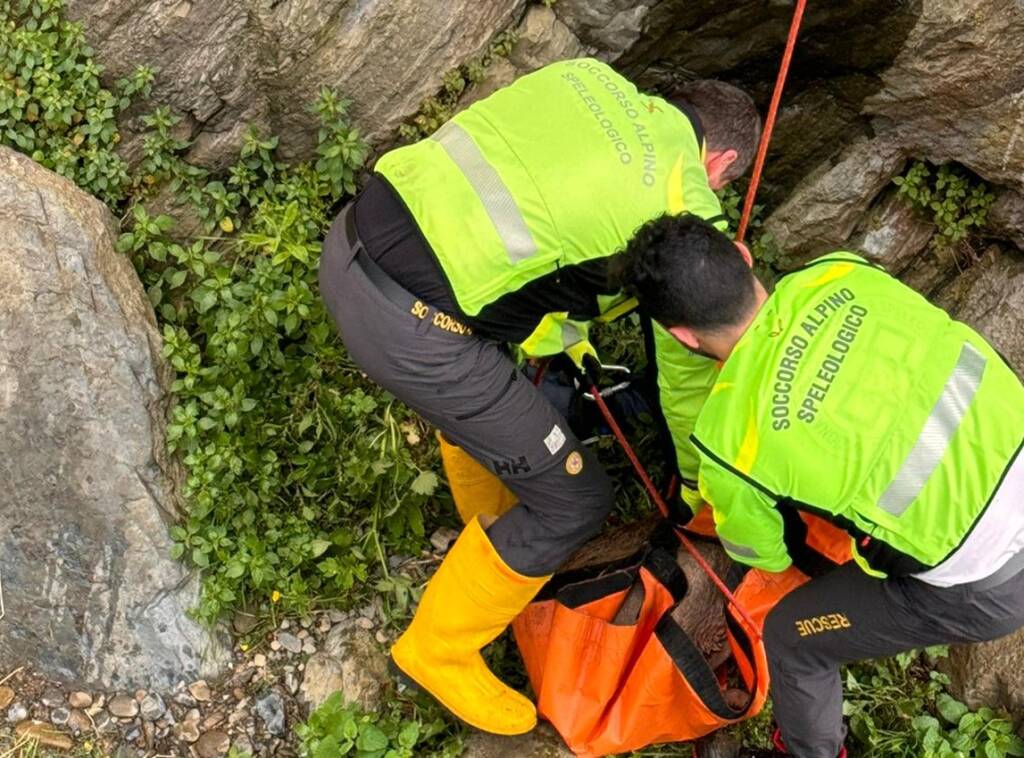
{"x":846,"y":616}
{"x":469,"y":389}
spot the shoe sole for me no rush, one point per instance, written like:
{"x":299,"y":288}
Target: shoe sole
{"x":407,"y":684}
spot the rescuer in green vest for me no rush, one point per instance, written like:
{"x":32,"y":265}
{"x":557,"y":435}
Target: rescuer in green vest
{"x":494,"y":231}
{"x":845,"y":394}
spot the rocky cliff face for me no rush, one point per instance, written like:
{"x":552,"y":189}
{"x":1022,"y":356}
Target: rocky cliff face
{"x":86,"y":495}
{"x":226,"y":64}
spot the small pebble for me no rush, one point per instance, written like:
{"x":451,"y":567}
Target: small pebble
{"x":259,"y":660}
{"x":152,"y":707}
{"x":364,"y":623}
{"x":80,"y":699}
{"x":309,"y":648}
{"x":53,"y":698}
{"x":133,"y":734}
{"x":6,"y":697}
{"x":16,"y":713}
{"x":124,"y":707}
{"x":60,"y":716}
{"x":242,"y":744}
{"x":443,"y":538}
{"x":291,"y":681}
{"x":381,"y":637}
{"x":200,"y":690}
{"x":290,"y":642}
{"x":275,"y":645}
{"x":213,"y":744}
{"x":303,"y":633}
{"x":187,"y":731}
{"x":79,"y":722}
{"x":270,"y":709}
{"x":102,"y":722}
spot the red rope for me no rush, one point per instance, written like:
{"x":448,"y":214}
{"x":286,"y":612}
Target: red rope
{"x":769,"y":122}
{"x":660,"y":503}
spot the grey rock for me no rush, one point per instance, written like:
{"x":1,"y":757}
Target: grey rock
{"x":611,"y":25}
{"x":133,"y":734}
{"x":990,"y":297}
{"x":990,"y":674}
{"x":226,"y":64}
{"x":290,"y":642}
{"x":1006,"y":217}
{"x":893,"y":234}
{"x":60,"y":716}
{"x":270,"y":709}
{"x":350,"y":662}
{"x":542,"y":742}
{"x":823,"y":211}
{"x":152,"y":707}
{"x":102,"y":722}
{"x":16,"y":713}
{"x":956,"y":90}
{"x":87,"y":494}
{"x":52,"y":698}
{"x":541,"y":38}
{"x":123,"y":707}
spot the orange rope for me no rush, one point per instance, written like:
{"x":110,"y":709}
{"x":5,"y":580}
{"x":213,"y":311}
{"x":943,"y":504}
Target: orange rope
{"x":769,"y":122}
{"x":660,"y":503}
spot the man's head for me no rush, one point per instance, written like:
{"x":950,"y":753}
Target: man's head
{"x":732,"y":127}
{"x":692,"y":279}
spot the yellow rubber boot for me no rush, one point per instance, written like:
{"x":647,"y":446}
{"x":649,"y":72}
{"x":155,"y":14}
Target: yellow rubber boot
{"x":475,"y":490}
{"x":471,"y":599}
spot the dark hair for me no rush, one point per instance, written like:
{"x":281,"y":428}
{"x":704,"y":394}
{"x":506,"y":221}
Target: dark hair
{"x":729,"y":118}
{"x":684,"y":272}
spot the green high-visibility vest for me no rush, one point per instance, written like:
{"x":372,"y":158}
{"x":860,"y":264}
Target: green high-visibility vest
{"x":558,"y":168}
{"x":853,"y":398}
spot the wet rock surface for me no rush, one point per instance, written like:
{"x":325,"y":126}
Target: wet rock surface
{"x":86,"y":494}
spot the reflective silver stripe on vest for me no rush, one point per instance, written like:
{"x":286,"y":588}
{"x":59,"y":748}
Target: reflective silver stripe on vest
{"x":494,"y":195}
{"x":741,"y":550}
{"x":938,"y":430}
{"x":570,"y":334}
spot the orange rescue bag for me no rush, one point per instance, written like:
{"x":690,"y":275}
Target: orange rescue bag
{"x":610,"y":688}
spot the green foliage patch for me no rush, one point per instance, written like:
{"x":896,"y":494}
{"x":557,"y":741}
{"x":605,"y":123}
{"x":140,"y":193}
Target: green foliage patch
{"x":397,"y":731}
{"x":954,"y":199}
{"x":53,"y":107}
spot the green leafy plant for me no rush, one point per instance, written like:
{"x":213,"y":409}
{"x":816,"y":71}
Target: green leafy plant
{"x":437,"y":109}
{"x":955,"y":200}
{"x":900,"y":708}
{"x":769,"y":258}
{"x":52,"y":104}
{"x":397,"y":731}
